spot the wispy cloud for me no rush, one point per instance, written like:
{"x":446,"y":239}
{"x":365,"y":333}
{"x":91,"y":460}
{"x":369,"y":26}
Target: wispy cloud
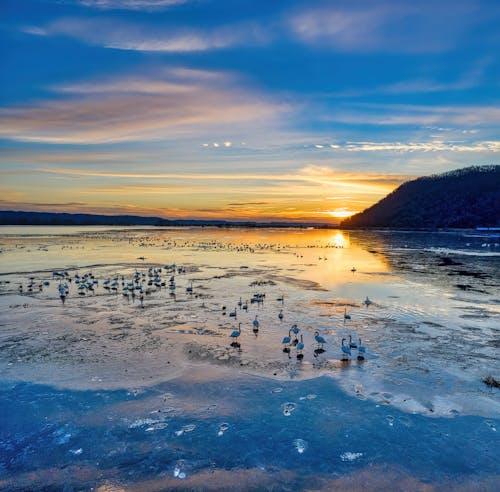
{"x":131,"y":4}
{"x":404,"y":147}
{"x":122,"y":35}
{"x":389,"y":26}
{"x":470,"y":79}
{"x":416,"y":115}
{"x":311,"y":174}
{"x":132,"y":109}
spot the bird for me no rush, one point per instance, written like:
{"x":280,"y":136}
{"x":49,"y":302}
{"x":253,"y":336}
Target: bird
{"x":280,"y":315}
{"x":346,"y":351}
{"x":346,"y":316}
{"x":353,"y":269}
{"x":320,"y":340}
{"x":361,"y":351}
{"x":256,"y":325}
{"x":234,"y":335}
{"x":300,"y":348}
{"x":352,"y":344}
{"x":295,"y":330}
{"x":367,"y":301}
{"x":232,"y":314}
{"x":286,"y":342}
{"x":189,"y":289}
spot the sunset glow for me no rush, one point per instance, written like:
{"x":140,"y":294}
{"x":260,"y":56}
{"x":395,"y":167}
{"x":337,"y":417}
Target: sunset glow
{"x":174,"y":109}
{"x":342,"y":213}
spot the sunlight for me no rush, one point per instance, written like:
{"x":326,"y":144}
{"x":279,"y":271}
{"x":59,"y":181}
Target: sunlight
{"x":339,"y":240}
{"x":342,"y":213}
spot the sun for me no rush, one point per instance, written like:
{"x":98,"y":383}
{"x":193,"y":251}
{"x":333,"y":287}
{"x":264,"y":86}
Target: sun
{"x":342,"y":213}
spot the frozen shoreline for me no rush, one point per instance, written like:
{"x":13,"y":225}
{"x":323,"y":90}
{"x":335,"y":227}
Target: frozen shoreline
{"x":428,"y":348}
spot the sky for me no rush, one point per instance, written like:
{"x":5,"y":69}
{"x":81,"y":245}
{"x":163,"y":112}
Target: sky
{"x":241,"y":109}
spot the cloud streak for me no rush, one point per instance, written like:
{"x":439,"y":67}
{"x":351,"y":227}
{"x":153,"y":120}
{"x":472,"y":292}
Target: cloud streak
{"x":418,"y":115}
{"x":134,"y":36}
{"x":390,"y":26}
{"x":148,"y":5}
{"x":131,"y":109}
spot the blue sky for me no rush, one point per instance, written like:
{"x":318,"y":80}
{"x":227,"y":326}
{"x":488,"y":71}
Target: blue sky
{"x":296,"y":110}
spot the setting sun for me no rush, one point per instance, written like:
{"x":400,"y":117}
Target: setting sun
{"x":342,"y":213}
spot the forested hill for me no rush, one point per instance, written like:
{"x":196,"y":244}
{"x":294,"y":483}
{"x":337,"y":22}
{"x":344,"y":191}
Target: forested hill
{"x":464,"y":198}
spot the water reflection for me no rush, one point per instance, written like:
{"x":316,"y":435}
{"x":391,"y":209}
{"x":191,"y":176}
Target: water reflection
{"x":406,"y":296}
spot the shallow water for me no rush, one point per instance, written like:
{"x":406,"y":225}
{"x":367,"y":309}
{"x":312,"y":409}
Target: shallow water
{"x":151,"y":396}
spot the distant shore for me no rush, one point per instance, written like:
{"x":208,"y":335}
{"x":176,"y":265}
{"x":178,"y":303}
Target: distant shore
{"x":20,"y":218}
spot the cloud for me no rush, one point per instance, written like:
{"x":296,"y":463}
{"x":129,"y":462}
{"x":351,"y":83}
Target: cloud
{"x":140,"y":190}
{"x":307,"y":175}
{"x":131,"y":4}
{"x":129,"y":108}
{"x":429,"y":146}
{"x":415,"y":115}
{"x":122,"y":35}
{"x":470,"y":79}
{"x":390,"y":26}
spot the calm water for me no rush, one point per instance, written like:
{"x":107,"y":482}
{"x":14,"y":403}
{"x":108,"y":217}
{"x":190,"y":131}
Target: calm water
{"x":107,"y":391}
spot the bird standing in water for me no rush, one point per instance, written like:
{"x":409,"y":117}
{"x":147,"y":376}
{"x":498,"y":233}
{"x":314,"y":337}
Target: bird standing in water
{"x":346,"y":351}
{"x":256,"y":325}
{"x":235,"y":335}
{"x":320,"y":341}
{"x":286,"y":342}
{"x":300,"y":348}
{"x":361,"y":351}
{"x":295,"y":330}
{"x":352,"y":344}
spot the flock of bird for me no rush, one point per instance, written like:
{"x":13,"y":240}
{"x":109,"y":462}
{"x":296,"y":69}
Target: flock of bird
{"x":138,"y":285}
{"x":155,"y":278}
{"x":291,"y":340}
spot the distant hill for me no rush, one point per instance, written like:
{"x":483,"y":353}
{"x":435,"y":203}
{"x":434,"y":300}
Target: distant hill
{"x":464,"y":198}
{"x":54,"y":219}
{"x":50,"y":218}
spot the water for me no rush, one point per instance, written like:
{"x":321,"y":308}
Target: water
{"x":101,"y":391}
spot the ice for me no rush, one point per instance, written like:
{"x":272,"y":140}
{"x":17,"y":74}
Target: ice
{"x":288,"y":408}
{"x":300,"y":445}
{"x":143,"y":422}
{"x":222,"y":428}
{"x":178,"y":470}
{"x":350,"y":456}
{"x":491,"y":425}
{"x":185,"y":429}
{"x":156,"y":426}
{"x":99,"y":374}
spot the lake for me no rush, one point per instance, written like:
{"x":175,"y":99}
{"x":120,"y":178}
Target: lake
{"x":118,"y":371}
